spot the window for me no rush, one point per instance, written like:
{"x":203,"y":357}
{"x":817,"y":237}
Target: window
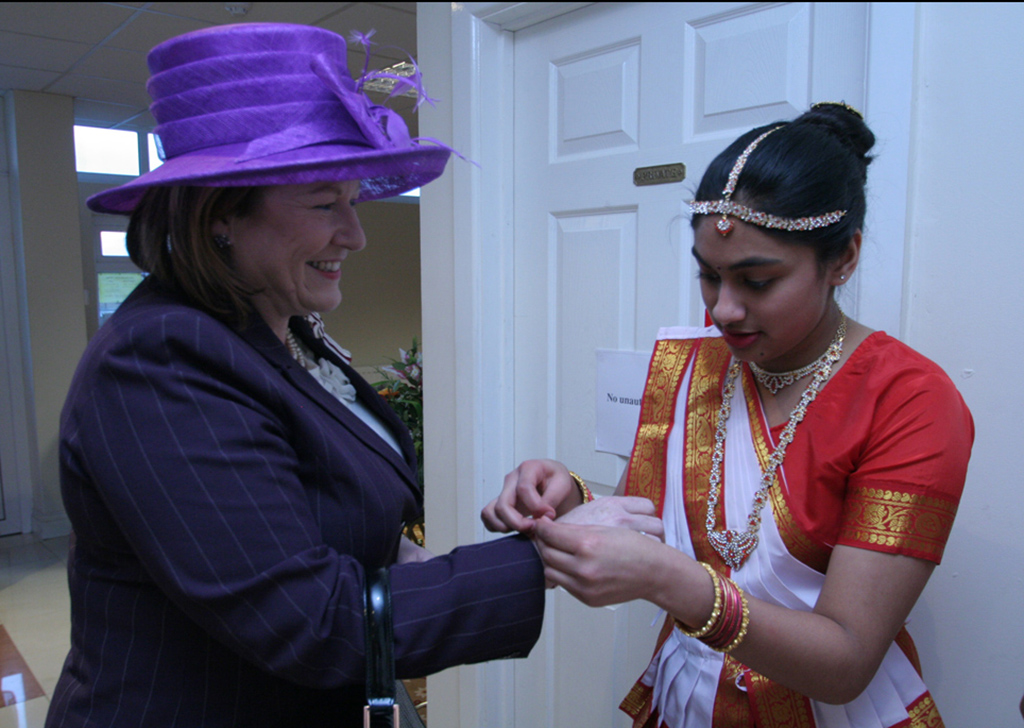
{"x":154,"y":154}
{"x":106,"y":151}
{"x":105,"y":158}
{"x":116,"y":275}
{"x":112,"y":289}
{"x":113,"y":244}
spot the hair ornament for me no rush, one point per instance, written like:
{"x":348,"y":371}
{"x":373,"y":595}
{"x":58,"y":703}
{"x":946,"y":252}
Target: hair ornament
{"x":726,"y":207}
{"x":839,"y":103}
{"x":761,"y":219}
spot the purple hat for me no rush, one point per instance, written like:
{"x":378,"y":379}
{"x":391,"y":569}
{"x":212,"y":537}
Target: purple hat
{"x":271,"y":104}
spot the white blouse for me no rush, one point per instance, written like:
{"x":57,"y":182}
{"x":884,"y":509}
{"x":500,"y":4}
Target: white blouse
{"x":333,"y":379}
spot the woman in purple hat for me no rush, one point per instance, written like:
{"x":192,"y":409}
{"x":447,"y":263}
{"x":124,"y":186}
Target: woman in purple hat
{"x":807,"y":468}
{"x":231,"y":480}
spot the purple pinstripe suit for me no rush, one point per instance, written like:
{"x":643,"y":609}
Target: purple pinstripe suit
{"x":224,"y":507}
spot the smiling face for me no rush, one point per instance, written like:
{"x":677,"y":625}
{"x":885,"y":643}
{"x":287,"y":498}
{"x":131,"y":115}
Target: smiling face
{"x":772,"y":300}
{"x":291,"y":248}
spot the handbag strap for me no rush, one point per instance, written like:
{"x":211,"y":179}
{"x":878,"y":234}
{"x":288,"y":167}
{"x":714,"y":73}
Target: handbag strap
{"x":381,"y":711}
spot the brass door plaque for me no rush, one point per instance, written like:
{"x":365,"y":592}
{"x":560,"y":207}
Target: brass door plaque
{"x":660,"y":175}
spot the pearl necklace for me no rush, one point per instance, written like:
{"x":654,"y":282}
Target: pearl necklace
{"x":293,"y":347}
{"x":733,"y":545}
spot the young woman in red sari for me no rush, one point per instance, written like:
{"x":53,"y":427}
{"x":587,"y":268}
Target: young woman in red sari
{"x":807,"y":469}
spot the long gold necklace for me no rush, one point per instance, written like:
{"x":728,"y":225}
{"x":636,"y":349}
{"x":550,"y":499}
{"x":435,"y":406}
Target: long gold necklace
{"x":733,"y":545}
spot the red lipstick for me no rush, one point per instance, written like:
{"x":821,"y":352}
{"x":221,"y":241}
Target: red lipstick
{"x":740,"y":341}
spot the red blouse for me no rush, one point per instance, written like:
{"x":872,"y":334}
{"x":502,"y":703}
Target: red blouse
{"x":880,"y":459}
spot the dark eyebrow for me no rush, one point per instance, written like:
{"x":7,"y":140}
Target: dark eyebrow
{"x":755,"y":261}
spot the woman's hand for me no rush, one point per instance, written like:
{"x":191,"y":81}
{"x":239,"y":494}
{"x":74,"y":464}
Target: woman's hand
{"x":599,"y":565}
{"x":408,"y":552}
{"x":636,"y":514}
{"x":536,"y":489}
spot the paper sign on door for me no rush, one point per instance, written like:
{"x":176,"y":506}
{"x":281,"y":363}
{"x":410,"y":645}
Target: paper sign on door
{"x":620,"y":385}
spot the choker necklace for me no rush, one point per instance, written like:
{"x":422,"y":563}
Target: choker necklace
{"x":776,"y":381}
{"x":735,"y":546}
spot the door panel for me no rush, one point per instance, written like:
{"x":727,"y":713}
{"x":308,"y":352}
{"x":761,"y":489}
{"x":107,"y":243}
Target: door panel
{"x":601,"y":263}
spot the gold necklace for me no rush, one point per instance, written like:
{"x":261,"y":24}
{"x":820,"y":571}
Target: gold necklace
{"x":776,"y":381}
{"x":735,"y":546}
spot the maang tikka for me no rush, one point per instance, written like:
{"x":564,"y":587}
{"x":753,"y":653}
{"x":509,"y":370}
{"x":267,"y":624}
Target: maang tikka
{"x":726,"y":207}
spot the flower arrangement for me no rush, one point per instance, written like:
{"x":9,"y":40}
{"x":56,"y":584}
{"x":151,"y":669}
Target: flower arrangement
{"x":402,"y":387}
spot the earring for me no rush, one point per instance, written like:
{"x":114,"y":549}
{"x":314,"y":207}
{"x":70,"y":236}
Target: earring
{"x":842,"y":277}
{"x":222,"y":241}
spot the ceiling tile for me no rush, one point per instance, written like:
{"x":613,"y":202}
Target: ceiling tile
{"x":79,"y":22}
{"x":25,"y":79}
{"x":115,"y":63}
{"x":404,"y":7}
{"x":41,"y":41}
{"x":394,"y":28}
{"x":102,"y":89}
{"x":150,"y":29}
{"x":101,"y":113}
{"x":43,"y":54}
{"x":303,"y":13}
{"x":142,"y":122}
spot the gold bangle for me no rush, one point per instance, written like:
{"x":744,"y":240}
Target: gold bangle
{"x":582,"y":486}
{"x":743,"y":627}
{"x":716,"y":610}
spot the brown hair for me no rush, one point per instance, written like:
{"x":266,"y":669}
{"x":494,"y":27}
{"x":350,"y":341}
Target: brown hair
{"x":170,"y":237}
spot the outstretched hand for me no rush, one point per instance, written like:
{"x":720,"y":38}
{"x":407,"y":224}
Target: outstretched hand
{"x":536,"y":489}
{"x":636,"y":514}
{"x":599,"y":565}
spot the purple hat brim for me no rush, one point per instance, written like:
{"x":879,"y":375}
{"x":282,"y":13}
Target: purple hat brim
{"x":383,"y":173}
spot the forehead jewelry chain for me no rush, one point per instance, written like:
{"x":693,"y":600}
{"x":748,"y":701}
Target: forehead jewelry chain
{"x":774,"y":382}
{"x":733,"y":545}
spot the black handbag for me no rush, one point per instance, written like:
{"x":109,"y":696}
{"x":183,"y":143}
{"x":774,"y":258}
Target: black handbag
{"x":381,"y":710}
{"x":388,"y":704}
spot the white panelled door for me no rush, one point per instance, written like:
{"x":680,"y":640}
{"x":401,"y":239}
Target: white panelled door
{"x":601,"y":263}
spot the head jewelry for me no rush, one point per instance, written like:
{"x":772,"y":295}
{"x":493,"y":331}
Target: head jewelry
{"x":727,"y":207}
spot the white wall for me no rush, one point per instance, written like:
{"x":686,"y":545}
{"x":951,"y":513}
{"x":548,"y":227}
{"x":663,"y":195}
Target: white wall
{"x":964,"y":309}
{"x":45,"y":204}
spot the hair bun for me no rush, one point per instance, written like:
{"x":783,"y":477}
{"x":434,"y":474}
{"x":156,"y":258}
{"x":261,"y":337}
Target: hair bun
{"x":845,"y":123}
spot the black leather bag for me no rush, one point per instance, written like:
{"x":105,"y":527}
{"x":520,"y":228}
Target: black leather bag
{"x":388,"y":704}
{"x":381,"y":710}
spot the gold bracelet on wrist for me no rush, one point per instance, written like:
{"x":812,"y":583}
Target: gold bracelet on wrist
{"x":743,"y":627}
{"x":582,"y":486}
{"x":716,"y":610}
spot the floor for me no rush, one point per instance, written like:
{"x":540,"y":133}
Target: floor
{"x":35,"y":629}
{"x":34,"y":626}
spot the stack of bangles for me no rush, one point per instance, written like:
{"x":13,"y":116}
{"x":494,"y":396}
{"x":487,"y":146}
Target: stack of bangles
{"x":730,"y":616}
{"x":582,"y":486}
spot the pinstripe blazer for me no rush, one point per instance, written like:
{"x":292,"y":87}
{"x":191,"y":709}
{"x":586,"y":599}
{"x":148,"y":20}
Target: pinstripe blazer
{"x":224,"y":507}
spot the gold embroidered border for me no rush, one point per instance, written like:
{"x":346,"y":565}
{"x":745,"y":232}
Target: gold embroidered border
{"x":732,"y":708}
{"x":669,"y":362}
{"x":890,"y":520}
{"x":775,"y":705}
{"x":637,"y":704}
{"x":704,"y":399}
{"x":798,"y":544}
{"x":923,"y":714}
